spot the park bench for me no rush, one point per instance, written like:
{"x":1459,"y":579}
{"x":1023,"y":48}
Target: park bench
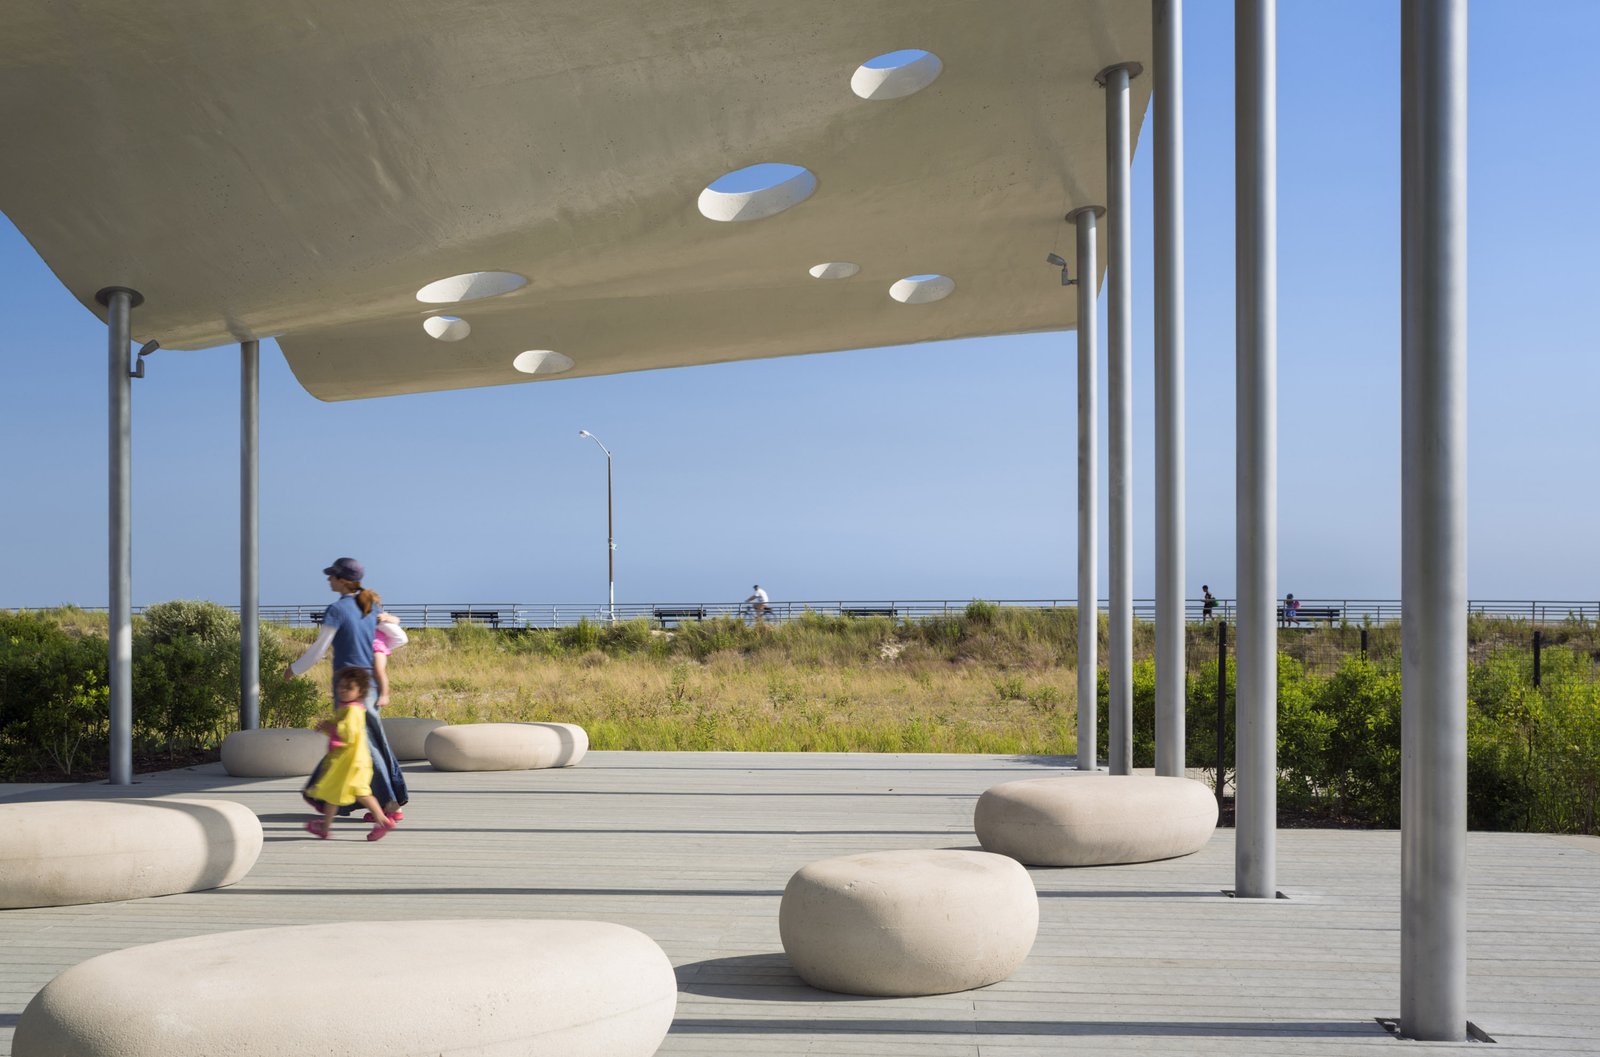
{"x":679,"y":613}
{"x":867,"y":611}
{"x":491,"y":617}
{"x":1310,"y":614}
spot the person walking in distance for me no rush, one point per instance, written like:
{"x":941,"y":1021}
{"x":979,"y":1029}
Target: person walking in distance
{"x":1208,"y":603}
{"x":1291,"y":610}
{"x":758,"y":602}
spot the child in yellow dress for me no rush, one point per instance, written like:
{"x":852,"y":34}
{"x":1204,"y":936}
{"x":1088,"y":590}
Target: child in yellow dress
{"x":347,"y":769}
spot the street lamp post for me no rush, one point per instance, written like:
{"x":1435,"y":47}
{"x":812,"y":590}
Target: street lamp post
{"x":611,"y":542}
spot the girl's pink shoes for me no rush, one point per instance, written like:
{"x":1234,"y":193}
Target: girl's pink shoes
{"x":380,"y":831}
{"x":394,"y":816}
{"x":318,"y":828}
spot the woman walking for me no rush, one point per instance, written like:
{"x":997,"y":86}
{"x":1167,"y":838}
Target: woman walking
{"x":349,"y":627}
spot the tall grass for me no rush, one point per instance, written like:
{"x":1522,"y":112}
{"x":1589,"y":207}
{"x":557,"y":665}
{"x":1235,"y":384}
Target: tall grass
{"x":816,"y":684}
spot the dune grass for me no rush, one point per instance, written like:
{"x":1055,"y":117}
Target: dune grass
{"x":861,"y":689}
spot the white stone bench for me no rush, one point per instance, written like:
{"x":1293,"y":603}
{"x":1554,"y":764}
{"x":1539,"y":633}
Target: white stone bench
{"x":63,"y":852}
{"x":407,"y":735}
{"x":273,"y":752}
{"x":575,"y":988}
{"x":506,"y":746}
{"x":1095,"y":819}
{"x":908,"y":922}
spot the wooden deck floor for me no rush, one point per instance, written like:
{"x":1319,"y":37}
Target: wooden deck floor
{"x":694,"y":850}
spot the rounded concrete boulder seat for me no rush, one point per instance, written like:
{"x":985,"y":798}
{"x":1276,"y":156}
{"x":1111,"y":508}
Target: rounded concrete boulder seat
{"x":273,"y":753}
{"x":575,"y":988}
{"x":908,"y":922}
{"x":407,"y":735}
{"x":1095,"y":820}
{"x":506,"y":746}
{"x":63,"y":852}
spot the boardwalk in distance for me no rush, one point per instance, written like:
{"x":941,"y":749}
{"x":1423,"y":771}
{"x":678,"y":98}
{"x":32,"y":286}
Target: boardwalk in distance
{"x":694,"y":850}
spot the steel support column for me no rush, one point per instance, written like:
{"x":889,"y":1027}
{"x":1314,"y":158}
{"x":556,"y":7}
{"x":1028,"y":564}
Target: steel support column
{"x":249,"y":535}
{"x":119,"y":303}
{"x":1167,"y":22}
{"x":1256,"y":651}
{"x":1088,"y":485}
{"x":1433,"y":480}
{"x":1119,"y":408}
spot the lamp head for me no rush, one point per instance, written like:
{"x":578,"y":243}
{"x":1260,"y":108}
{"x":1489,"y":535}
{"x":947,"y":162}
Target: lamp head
{"x":584,"y":433}
{"x":1055,"y":259}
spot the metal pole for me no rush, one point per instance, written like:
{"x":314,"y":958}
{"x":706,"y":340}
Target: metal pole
{"x":249,"y":535}
{"x":1256,"y":653}
{"x":611,"y":541}
{"x":1538,"y":641}
{"x":1167,"y":23}
{"x":1088,"y":494}
{"x":120,"y":302}
{"x":1433,"y":553}
{"x":611,"y":551}
{"x":1119,"y":404}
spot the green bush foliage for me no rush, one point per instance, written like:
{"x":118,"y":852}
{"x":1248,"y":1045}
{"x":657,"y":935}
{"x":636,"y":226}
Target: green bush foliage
{"x":54,"y":699}
{"x":1533,"y":752}
{"x":53,"y":696}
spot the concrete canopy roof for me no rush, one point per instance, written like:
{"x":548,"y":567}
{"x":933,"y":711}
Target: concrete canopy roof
{"x":300,"y":169}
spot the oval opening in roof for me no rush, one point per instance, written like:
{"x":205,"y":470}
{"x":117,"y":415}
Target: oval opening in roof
{"x":921,"y":289}
{"x":834,"y":270}
{"x":542,"y":361}
{"x":896,"y":74}
{"x":470,"y":286}
{"x":446,"y":328}
{"x":756,"y":192}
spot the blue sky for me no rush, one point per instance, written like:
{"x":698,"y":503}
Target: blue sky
{"x":905,"y":472}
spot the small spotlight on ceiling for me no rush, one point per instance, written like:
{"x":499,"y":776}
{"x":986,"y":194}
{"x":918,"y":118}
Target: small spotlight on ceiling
{"x":1056,"y":260}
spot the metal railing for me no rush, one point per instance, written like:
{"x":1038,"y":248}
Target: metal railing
{"x":520,"y":615}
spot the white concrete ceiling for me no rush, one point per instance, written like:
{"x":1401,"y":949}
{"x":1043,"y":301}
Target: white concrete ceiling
{"x":301,"y":168}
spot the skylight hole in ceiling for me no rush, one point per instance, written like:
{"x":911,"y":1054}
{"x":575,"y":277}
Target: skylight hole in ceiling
{"x":922,"y":289}
{"x":895,"y":75}
{"x":446,"y":328}
{"x":542,"y":361}
{"x":756,"y":192}
{"x":470,"y":286}
{"x":834,"y":270}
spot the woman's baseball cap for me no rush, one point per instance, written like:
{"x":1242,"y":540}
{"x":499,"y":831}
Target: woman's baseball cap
{"x":346,"y":569}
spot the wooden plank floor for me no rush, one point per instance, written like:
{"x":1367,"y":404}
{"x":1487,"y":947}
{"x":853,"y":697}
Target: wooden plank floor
{"x":694,"y":849}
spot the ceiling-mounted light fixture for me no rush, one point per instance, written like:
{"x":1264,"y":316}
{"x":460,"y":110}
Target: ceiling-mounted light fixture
{"x":1057,"y":260}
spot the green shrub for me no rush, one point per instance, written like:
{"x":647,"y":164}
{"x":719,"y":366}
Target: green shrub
{"x":1348,"y":755}
{"x":581,"y":637}
{"x":1200,"y":724}
{"x":1144,"y":713}
{"x":53,"y":696}
{"x":205,"y":622}
{"x":982,"y":614}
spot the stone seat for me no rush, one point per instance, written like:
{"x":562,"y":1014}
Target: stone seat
{"x":407,"y":735}
{"x":506,"y":746}
{"x":908,"y":922}
{"x":466,"y":988}
{"x":63,"y":852}
{"x":273,"y":752}
{"x":1095,"y":820}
